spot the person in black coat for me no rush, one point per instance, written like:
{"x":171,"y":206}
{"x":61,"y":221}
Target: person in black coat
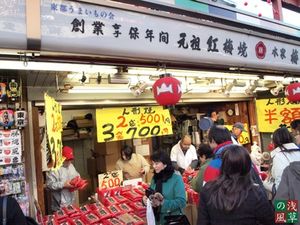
{"x":14,"y":213}
{"x":233,"y":198}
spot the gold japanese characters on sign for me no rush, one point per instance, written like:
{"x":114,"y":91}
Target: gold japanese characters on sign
{"x":273,"y":112}
{"x":54,"y":132}
{"x":115,"y":124}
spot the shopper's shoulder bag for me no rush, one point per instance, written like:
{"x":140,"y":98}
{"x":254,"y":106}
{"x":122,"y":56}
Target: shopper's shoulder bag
{"x":180,"y":219}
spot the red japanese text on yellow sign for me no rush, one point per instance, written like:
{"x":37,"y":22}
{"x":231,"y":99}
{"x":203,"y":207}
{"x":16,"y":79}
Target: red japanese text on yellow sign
{"x":54,"y":131}
{"x":275,"y":111}
{"x":244,"y":137}
{"x":110,"y":179}
{"x":115,"y":124}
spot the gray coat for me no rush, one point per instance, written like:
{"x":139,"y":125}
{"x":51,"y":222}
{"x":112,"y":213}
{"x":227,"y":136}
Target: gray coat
{"x":289,"y":187}
{"x":55,"y":182}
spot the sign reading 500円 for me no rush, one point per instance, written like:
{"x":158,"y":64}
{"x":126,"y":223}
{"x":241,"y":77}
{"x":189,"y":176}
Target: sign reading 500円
{"x":115,"y":124}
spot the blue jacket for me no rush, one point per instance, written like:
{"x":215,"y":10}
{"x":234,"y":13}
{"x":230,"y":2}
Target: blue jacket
{"x":174,"y":196}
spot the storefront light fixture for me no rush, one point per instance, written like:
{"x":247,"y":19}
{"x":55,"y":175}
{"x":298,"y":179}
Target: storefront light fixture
{"x":95,"y":90}
{"x":49,"y":66}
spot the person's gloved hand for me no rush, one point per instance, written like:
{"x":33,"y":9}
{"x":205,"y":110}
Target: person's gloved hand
{"x":157,"y":199}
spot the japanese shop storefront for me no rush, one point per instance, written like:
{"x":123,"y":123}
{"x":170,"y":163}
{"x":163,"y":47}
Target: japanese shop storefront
{"x":112,"y":34}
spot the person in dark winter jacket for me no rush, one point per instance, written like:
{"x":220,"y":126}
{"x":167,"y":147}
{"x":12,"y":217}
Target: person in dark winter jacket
{"x":289,"y":187}
{"x":14,"y":214}
{"x":233,"y":198}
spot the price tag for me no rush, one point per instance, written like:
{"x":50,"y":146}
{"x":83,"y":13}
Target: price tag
{"x":244,"y":137}
{"x":132,"y":122}
{"x":54,"y":132}
{"x":110,"y":179}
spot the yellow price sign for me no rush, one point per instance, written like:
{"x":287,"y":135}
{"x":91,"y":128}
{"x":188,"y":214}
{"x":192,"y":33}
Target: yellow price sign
{"x":110,"y":179}
{"x":244,"y":137}
{"x":115,"y":124}
{"x":54,"y":132}
{"x":273,"y":112}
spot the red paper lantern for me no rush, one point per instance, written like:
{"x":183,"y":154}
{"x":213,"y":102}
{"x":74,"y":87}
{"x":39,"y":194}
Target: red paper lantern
{"x":167,"y":90}
{"x":292,"y":92}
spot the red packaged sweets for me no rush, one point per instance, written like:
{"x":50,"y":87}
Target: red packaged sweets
{"x":91,"y":218}
{"x":120,"y":199}
{"x":78,"y":221}
{"x":111,"y":201}
{"x":103,"y":213}
{"x":115,"y":210}
{"x":125,"y":208}
{"x":113,"y":221}
{"x":60,"y":215}
{"x":137,"y":206}
{"x":70,"y":209}
{"x":84,"y":209}
{"x":138,"y":220}
{"x":66,"y":223}
{"x":95,"y":206}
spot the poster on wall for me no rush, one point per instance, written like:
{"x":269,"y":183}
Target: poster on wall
{"x":273,"y":112}
{"x":10,"y":147}
{"x":244,"y":137}
{"x":114,"y":124}
{"x":53,"y":132}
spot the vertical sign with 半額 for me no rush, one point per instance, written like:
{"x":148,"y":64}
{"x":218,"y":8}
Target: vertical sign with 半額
{"x":115,"y":124}
{"x":273,"y":112}
{"x":110,"y":179}
{"x":54,"y":132}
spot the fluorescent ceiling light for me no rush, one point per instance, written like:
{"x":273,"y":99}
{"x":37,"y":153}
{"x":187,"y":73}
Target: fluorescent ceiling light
{"x":90,"y":90}
{"x":20,"y":65}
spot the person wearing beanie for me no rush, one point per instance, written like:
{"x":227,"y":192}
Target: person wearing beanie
{"x":59,"y":181}
{"x":236,"y":132}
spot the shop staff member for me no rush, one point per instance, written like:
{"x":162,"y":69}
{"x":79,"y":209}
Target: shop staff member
{"x":236,"y":132}
{"x":184,"y":155}
{"x":59,"y":181}
{"x":133,"y":165}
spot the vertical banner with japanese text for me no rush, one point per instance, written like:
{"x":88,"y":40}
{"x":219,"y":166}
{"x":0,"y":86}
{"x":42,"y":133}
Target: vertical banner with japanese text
{"x":54,"y":132}
{"x":115,"y":124}
{"x":273,"y":112}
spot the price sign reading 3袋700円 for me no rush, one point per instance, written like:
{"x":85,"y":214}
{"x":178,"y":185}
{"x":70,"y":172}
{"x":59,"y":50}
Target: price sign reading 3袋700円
{"x":115,"y":124}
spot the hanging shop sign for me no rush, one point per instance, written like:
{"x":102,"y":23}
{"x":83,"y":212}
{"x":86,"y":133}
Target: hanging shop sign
{"x":54,"y":132}
{"x":273,"y":112}
{"x":114,"y":124}
{"x":13,"y":24}
{"x":244,"y":137}
{"x":110,"y":179}
{"x":75,"y":27}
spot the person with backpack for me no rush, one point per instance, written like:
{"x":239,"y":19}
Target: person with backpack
{"x":285,"y":152}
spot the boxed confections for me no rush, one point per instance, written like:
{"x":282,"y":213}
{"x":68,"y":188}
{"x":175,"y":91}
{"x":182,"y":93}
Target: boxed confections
{"x":125,"y":208}
{"x":138,"y":220}
{"x":113,"y":221}
{"x":110,"y":201}
{"x":90,"y":218}
{"x":133,"y":196}
{"x":68,"y":222}
{"x":120,"y":199}
{"x":95,"y":206}
{"x":50,"y":220}
{"x":103,"y":213}
{"x":85,"y":209}
{"x":115,"y":210}
{"x":70,"y":209}
{"x":131,"y":219}
{"x":78,"y":221}
{"x":60,"y":215}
